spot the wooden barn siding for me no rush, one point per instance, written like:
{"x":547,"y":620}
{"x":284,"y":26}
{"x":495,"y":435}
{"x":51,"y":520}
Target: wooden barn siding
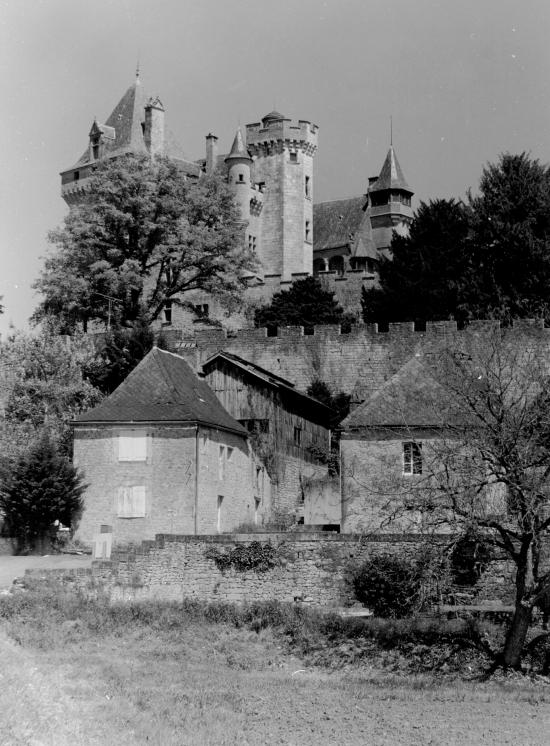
{"x":246,"y":401}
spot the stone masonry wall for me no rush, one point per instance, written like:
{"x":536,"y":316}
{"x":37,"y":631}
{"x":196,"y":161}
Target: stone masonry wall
{"x":310,"y":567}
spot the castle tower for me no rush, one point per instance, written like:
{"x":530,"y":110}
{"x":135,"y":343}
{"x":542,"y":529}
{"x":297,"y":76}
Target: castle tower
{"x":238,"y":174}
{"x":153,"y":129}
{"x":283,"y":171}
{"x":389,"y":202}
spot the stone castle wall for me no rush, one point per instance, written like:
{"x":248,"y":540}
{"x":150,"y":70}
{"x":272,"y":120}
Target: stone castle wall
{"x":312,"y":568}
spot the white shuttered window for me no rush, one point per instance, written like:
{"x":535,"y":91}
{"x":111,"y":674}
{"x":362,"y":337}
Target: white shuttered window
{"x":130,"y":502}
{"x":132,"y":445}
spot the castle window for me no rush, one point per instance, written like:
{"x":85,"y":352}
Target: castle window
{"x":76,"y":176}
{"x":252,"y":242}
{"x":241,"y":177}
{"x":308,"y":231}
{"x":261,"y":186}
{"x":412,"y":458}
{"x":201,"y":310}
{"x":308,"y":187}
{"x":294,"y":157}
{"x":168,"y":312}
{"x":219,"y":515}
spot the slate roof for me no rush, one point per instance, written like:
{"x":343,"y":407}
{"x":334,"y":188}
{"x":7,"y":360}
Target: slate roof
{"x":126,"y":120}
{"x":273,"y":115}
{"x":162,"y":388}
{"x":410,"y":399}
{"x":271,"y":379}
{"x":391,"y":176}
{"x":343,"y":222}
{"x":238,"y":149}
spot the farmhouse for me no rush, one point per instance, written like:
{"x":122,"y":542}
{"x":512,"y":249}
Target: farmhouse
{"x":162,"y":455}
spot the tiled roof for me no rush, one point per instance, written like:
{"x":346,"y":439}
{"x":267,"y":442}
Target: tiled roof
{"x":411,"y":398}
{"x":162,"y":388}
{"x":391,"y":175}
{"x":343,"y":222}
{"x":271,"y":379}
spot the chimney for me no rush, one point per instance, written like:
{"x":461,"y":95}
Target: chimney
{"x":211,"y":152}
{"x":153,"y":133}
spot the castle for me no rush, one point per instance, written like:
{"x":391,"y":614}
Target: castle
{"x":270,"y":171}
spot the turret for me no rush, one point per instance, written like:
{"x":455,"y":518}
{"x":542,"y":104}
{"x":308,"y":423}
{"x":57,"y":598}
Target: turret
{"x":389,"y":202}
{"x":283,"y":154}
{"x":211,"y":153}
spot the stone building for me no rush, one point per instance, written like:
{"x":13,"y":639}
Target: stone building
{"x":270,"y":171}
{"x":161,"y":455}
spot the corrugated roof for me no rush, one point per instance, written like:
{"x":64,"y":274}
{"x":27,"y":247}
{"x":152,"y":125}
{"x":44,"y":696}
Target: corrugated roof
{"x":391,"y":176}
{"x":343,"y":222}
{"x":411,"y":398}
{"x":162,"y":388}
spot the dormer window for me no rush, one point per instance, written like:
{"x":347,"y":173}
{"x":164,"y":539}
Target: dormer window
{"x":95,"y":150}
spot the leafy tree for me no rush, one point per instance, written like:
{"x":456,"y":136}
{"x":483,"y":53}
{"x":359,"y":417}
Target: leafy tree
{"x":44,"y":384}
{"x":489,"y":258}
{"x":429,"y":270}
{"x":486,"y":474}
{"x":510,"y":223}
{"x":305,"y":303}
{"x":340,"y":402}
{"x":122,"y":351}
{"x":144,"y":235}
{"x":41,"y":488}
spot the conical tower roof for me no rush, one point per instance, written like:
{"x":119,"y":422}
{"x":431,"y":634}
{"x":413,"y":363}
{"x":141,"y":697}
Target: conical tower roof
{"x":391,"y":175}
{"x":238,"y":149}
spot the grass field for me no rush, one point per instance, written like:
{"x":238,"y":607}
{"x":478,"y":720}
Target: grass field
{"x":79,"y":674}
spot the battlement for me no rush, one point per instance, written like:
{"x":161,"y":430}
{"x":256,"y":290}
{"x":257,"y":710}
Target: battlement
{"x":279,"y":134}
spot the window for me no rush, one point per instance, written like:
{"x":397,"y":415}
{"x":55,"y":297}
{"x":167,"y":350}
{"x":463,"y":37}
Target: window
{"x":95,"y":150}
{"x":261,"y":186}
{"x":412,"y":458}
{"x":221,"y":463}
{"x":219,"y":515}
{"x":241,"y":177}
{"x":229,"y":453}
{"x":308,"y":231}
{"x":130,"y":502}
{"x":308,"y":187}
{"x":256,"y":510}
{"x":168,"y":312}
{"x":132,"y":445}
{"x":76,"y":176}
{"x":201,"y":310}
{"x":252,"y":242}
{"x":297,"y":436}
{"x":294,"y":157}
{"x":258,"y":477}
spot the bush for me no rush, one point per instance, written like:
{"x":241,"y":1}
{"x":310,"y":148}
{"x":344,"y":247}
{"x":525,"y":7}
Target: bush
{"x":388,"y":585}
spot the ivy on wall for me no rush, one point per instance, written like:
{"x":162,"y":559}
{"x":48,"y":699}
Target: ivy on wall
{"x":256,"y":556}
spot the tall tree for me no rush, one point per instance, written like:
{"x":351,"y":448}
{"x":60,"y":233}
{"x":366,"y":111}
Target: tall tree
{"x":41,"y":488}
{"x":489,"y":258}
{"x":429,"y":269}
{"x":305,"y":303}
{"x":510,"y":240}
{"x":143,"y":236}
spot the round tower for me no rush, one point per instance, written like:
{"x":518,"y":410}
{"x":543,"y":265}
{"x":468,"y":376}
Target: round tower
{"x":238,"y":177}
{"x":283,"y":154}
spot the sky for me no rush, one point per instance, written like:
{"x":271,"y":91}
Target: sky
{"x":463,"y":82}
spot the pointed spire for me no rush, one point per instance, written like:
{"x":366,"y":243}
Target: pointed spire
{"x":391,"y":176}
{"x":138,"y":81}
{"x":238,"y":149}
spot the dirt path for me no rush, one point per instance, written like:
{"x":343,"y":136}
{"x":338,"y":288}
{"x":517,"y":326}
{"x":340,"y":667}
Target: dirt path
{"x":14,"y":567}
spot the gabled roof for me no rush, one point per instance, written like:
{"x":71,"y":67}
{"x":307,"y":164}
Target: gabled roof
{"x":162,"y":388}
{"x":410,"y":399}
{"x":391,"y":175}
{"x":343,"y":222}
{"x":272,"y":380}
